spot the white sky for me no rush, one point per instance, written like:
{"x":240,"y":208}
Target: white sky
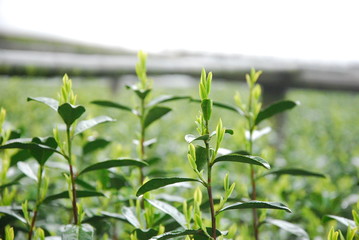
{"x":306,"y":29}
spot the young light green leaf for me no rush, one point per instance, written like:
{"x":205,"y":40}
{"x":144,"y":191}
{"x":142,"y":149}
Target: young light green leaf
{"x":256,"y":204}
{"x":170,"y":210}
{"x":11,"y":211}
{"x":70,"y":113}
{"x":121,"y":162}
{"x":52,"y":103}
{"x":166,"y":98}
{"x":79,"y":194}
{"x":112,"y":105}
{"x":156,"y":183}
{"x":86,"y":124}
{"x":154,"y":114}
{"x":129,"y":214}
{"x":294,"y":172}
{"x":274,"y":109}
{"x":289,"y":227}
{"x":206,"y":106}
{"x":26,"y":169}
{"x":342,"y":220}
{"x":224,"y":106}
{"x":254,"y":160}
{"x":78,"y":232}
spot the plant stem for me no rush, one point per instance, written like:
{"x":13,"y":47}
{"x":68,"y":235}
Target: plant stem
{"x":142,"y":139}
{"x":73,"y":185}
{"x":38,"y":202}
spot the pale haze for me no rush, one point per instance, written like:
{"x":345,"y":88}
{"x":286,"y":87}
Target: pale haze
{"x":308,"y":30}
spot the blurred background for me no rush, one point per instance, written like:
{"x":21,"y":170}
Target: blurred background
{"x":308,"y":51}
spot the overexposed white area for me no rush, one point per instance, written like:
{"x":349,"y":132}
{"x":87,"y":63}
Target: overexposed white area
{"x":307,"y":29}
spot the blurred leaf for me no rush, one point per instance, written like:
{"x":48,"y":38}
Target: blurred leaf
{"x":256,"y":204}
{"x":190,"y":138}
{"x":26,"y":169}
{"x":289,"y":227}
{"x":345,"y":221}
{"x":78,"y":232}
{"x":178,"y":233}
{"x":112,"y":105}
{"x":79,"y":194}
{"x":42,"y":155}
{"x":131,"y":217}
{"x":121,"y":162}
{"x":254,"y":160}
{"x":70,"y":113}
{"x":85,"y":184}
{"x":154,"y":114}
{"x":140,"y":93}
{"x":274,"y":109}
{"x":20,"y":156}
{"x":14,"y":134}
{"x":52,"y":103}
{"x":294,"y":172}
{"x":170,"y":210}
{"x":94,"y":145}
{"x":86,"y":124}
{"x":161,"y":182}
{"x":9,"y":210}
{"x":145,"y":234}
{"x":15,"y":181}
{"x":224,"y":106}
{"x":165,"y":98}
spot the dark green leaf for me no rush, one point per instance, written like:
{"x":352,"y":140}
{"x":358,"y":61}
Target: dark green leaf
{"x":289,"y":227}
{"x":84,"y":184}
{"x":344,"y":221}
{"x":165,"y":98}
{"x":112,"y":105}
{"x":201,"y":157}
{"x":295,"y":172}
{"x":161,"y":182}
{"x":129,"y":214}
{"x":52,"y":103}
{"x":79,"y":194}
{"x":76,"y":232}
{"x":86,"y":124}
{"x":191,"y":138}
{"x":20,"y":156}
{"x":274,"y":109}
{"x":140,"y":93}
{"x":170,"y":210}
{"x":70,"y":113}
{"x":255,"y":160}
{"x":206,"y":106}
{"x":154,"y":114}
{"x":9,"y":210}
{"x":14,"y":134}
{"x":176,"y":233}
{"x":145,"y":234}
{"x":94,"y":145}
{"x":121,"y":162}
{"x":42,"y":155}
{"x":256,"y":204}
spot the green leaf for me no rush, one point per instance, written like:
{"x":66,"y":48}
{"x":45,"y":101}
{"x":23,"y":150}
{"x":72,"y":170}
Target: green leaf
{"x":224,"y":106}
{"x":15,"y":181}
{"x":76,"y":232}
{"x":201,"y":157}
{"x":289,"y":227}
{"x":165,"y":98}
{"x":112,"y":105}
{"x":274,"y":109}
{"x":86,"y":124}
{"x":206,"y":106}
{"x":25,"y":168}
{"x":256,"y":204}
{"x":121,"y":162}
{"x":176,"y":233}
{"x":129,"y":214}
{"x":52,"y":103}
{"x":79,"y":194}
{"x":170,"y":210}
{"x":191,"y":138}
{"x":154,"y":114}
{"x":156,"y":183}
{"x":42,"y":155}
{"x":254,"y":160}
{"x":11,"y":211}
{"x":140,"y":93}
{"x":294,"y":172}
{"x":145,"y":234}
{"x":70,"y":113}
{"x":344,"y":221}
{"x":94,"y":145}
